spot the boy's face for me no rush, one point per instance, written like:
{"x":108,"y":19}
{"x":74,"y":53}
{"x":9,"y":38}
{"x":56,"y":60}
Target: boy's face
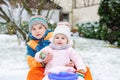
{"x":60,"y":40}
{"x":38,"y":31}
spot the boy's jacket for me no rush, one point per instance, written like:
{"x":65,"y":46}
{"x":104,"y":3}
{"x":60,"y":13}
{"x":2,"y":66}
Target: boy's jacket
{"x":35,"y":45}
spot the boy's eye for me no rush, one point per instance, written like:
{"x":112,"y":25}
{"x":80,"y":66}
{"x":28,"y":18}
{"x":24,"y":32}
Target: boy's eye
{"x":33,"y":28}
{"x":40,"y":27}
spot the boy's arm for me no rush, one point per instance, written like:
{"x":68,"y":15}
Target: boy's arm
{"x":30,"y":58}
{"x":32,"y":62}
{"x":33,"y":44}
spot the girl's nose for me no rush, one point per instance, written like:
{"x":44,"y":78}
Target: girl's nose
{"x":59,"y":40}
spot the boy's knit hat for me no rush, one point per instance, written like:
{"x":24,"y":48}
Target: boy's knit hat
{"x":63,"y":28}
{"x":36,"y":20}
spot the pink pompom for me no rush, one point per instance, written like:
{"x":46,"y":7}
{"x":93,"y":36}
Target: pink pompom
{"x":64,"y":24}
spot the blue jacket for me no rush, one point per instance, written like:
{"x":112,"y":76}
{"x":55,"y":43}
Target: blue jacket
{"x":35,"y":45}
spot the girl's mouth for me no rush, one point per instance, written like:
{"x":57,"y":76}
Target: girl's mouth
{"x":59,"y":43}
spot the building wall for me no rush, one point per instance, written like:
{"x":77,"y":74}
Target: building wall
{"x":65,"y":4}
{"x":80,"y":13}
{"x":88,"y":14}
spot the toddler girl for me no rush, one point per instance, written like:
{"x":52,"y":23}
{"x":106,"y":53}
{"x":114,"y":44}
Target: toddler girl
{"x":62,"y":52}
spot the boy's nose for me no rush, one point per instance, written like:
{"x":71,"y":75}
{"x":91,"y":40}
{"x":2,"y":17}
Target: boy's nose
{"x":37,"y":31}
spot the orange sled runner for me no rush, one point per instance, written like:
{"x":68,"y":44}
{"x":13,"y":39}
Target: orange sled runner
{"x":37,"y":74}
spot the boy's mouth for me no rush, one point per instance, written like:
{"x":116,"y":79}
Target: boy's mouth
{"x":38,"y":34}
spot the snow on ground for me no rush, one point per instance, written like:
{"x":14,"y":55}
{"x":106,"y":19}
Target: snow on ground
{"x":13,"y":64}
{"x":102,"y":60}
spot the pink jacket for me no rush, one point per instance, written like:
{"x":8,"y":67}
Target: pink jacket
{"x":61,"y":58}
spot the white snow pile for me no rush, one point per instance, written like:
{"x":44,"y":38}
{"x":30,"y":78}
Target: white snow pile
{"x":102,"y":60}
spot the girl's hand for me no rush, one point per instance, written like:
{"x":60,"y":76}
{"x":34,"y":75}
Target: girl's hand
{"x":71,"y":64}
{"x":47,"y":58}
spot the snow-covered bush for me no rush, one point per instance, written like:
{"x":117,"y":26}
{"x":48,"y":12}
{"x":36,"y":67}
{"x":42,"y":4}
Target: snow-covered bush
{"x":109,"y":12}
{"x":52,"y":26}
{"x":89,"y":30}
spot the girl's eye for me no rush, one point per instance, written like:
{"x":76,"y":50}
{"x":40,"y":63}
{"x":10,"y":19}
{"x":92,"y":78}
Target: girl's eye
{"x":63,"y":38}
{"x":57,"y":37}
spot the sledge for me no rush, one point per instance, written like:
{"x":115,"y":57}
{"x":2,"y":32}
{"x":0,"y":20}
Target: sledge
{"x":37,"y":74}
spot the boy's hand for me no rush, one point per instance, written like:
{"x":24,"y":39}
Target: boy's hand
{"x":47,"y":58}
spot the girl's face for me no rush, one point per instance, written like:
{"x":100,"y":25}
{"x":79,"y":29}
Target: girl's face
{"x":60,"y":40}
{"x":38,"y":31}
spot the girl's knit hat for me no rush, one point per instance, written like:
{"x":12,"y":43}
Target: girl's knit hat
{"x":63,"y":28}
{"x":37,"y":19}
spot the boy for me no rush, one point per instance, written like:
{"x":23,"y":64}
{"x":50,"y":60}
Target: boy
{"x":39,"y":38}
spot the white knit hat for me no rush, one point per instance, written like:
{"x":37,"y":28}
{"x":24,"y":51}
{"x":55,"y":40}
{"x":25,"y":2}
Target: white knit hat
{"x":63,"y":28}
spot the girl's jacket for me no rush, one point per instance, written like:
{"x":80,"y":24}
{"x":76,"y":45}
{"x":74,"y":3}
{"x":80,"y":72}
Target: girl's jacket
{"x":35,"y":45}
{"x":61,"y":58}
